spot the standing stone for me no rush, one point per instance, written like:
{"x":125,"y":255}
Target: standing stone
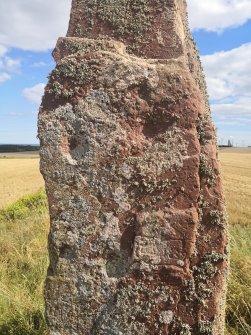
{"x":138,"y":240}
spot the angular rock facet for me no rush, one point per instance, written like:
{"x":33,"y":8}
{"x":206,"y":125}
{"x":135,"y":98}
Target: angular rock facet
{"x":128,"y":153}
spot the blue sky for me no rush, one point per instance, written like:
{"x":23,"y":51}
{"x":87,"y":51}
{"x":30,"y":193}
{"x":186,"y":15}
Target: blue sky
{"x":28,"y":32}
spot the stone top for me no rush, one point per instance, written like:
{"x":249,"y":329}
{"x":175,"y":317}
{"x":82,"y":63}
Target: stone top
{"x":149,"y":28}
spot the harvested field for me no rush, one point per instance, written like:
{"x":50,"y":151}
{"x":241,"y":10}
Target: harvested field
{"x":236,"y":171}
{"x":235,"y":150}
{"x":18,"y":176}
{"x":21,"y":154}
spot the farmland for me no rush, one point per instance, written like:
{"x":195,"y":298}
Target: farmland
{"x":23,"y":239}
{"x":19,"y":175}
{"x":236,"y":172}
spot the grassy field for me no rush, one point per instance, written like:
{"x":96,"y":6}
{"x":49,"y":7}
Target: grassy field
{"x":23,"y":263}
{"x":19,"y":175}
{"x":23,"y":253}
{"x":20,"y":154}
{"x":236,"y":171}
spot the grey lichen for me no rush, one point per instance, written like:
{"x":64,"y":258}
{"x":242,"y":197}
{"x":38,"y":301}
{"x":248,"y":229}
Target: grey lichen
{"x":182,"y":328}
{"x":69,"y":77}
{"x":207,"y":268}
{"x":202,"y":205}
{"x":60,"y":91}
{"x":166,"y":317}
{"x":132,"y":303}
{"x":122,"y":20}
{"x":203,"y":124}
{"x":130,"y":18}
{"x":198,"y":291}
{"x":167,"y":100}
{"x":74,"y":69}
{"x":206,"y":327}
{"x":207,"y":170}
{"x":217,"y":218}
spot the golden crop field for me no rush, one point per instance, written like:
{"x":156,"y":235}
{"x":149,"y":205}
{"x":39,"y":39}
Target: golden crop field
{"x":236,"y":172}
{"x":18,"y":176}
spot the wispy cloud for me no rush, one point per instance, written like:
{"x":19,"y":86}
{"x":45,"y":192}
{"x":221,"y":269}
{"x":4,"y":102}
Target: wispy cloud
{"x":41,"y":64}
{"x":35,"y":93}
{"x":217,"y":15}
{"x":14,"y":114}
{"x":3,"y":50}
{"x":227,"y":72}
{"x":4,"y":76}
{"x":8,"y":65}
{"x":242,"y":106}
{"x":33,"y":24}
{"x":234,"y":120}
{"x":229,"y":84}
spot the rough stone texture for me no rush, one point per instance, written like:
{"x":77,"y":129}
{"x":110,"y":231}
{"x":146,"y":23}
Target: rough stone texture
{"x":138,"y":239}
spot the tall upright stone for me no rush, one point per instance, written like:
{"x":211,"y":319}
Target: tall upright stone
{"x":138,"y":240}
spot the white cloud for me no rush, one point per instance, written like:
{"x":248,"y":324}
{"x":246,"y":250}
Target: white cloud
{"x":33,"y":24}
{"x":14,"y":114}
{"x":218,"y":87}
{"x":217,"y":15}
{"x":4,"y":76}
{"x":3,"y":50}
{"x":241,"y":107}
{"x":228,"y":73}
{"x":41,"y":64}
{"x":229,"y":85}
{"x":8,"y":65}
{"x":35,"y":93}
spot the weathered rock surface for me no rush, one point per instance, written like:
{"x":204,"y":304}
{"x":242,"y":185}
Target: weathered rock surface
{"x":128,"y":153}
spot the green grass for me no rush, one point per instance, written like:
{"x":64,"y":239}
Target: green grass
{"x":239,"y":289}
{"x":23,"y":264}
{"x":24,"y":207}
{"x":23,"y":257}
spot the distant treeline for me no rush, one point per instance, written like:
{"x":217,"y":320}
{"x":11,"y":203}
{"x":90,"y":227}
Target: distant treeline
{"x":17,"y":148}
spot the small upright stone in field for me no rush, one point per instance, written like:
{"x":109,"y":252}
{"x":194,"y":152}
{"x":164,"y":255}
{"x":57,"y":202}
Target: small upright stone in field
{"x":128,"y":153}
